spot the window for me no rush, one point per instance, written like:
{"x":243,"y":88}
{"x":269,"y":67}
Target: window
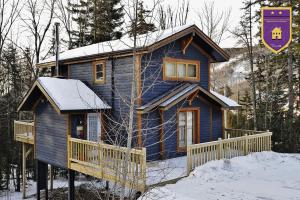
{"x":188,"y":121}
{"x":93,"y":127}
{"x":179,"y":69}
{"x":99,"y":72}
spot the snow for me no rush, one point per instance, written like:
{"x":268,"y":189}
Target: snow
{"x":70,"y":94}
{"x":125,"y":43}
{"x":178,"y":95}
{"x":226,"y":100}
{"x":258,"y":176}
{"x":165,"y":170}
{"x":31,"y":189}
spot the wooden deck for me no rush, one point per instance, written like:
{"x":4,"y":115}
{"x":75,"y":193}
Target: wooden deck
{"x":108,"y":162}
{"x":24,"y":131}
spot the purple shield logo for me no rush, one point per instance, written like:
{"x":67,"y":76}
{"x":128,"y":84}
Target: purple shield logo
{"x":276,"y":28}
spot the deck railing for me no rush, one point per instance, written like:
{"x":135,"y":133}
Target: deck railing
{"x":24,"y":131}
{"x":199,"y":154}
{"x":108,"y":162}
{"x":233,"y":133}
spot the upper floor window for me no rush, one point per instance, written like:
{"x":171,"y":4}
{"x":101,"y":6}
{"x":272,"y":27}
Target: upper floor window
{"x":181,"y":69}
{"x":99,"y":71}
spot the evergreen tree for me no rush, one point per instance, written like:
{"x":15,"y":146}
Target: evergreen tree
{"x":106,"y":18}
{"x":139,"y":25}
{"x":97,"y":21}
{"x":82,"y":17}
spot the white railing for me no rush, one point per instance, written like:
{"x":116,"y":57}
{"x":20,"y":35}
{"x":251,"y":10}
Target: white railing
{"x":199,"y":154}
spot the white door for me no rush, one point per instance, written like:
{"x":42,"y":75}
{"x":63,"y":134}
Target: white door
{"x":93,"y":127}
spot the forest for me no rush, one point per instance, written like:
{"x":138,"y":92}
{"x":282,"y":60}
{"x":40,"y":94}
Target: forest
{"x":269,"y":90}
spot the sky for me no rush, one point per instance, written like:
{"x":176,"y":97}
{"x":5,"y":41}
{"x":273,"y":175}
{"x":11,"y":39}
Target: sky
{"x":220,"y":5}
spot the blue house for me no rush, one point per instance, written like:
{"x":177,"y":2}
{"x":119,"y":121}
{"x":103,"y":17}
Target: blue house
{"x":89,"y":98}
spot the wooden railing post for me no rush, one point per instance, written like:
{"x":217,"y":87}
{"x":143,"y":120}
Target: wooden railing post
{"x":188,"y":159}
{"x":246,"y":150}
{"x":220,"y":146}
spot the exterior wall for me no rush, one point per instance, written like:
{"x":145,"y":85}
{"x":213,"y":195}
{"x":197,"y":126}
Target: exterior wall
{"x":151,"y":132}
{"x":51,"y":135}
{"x":84,"y":72}
{"x":116,"y":88}
{"x":152,"y":75}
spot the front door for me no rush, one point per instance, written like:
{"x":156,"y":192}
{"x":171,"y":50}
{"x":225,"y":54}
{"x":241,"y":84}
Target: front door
{"x":187,"y":128}
{"x":93,"y":127}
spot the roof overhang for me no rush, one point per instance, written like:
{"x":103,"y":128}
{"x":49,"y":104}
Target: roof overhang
{"x":65,"y":96}
{"x":216,"y":53}
{"x":181,"y":93}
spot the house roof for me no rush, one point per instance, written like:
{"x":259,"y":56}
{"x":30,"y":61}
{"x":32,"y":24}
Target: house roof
{"x":146,"y":42}
{"x":64,"y":94}
{"x":182,"y":92}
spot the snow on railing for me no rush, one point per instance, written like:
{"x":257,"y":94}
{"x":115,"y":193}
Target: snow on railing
{"x":199,"y":154}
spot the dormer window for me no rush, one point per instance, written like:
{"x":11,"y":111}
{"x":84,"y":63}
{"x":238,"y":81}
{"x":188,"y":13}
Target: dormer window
{"x":99,"y":72}
{"x":181,"y":69}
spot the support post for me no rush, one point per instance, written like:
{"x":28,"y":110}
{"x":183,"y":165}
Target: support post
{"x":51,"y":177}
{"x":71,"y":189}
{"x":24,"y":170}
{"x":220,"y":149}
{"x":246,"y":145}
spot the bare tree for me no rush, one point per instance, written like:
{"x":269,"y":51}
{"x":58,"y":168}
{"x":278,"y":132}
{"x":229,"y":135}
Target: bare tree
{"x":215,"y":24}
{"x":64,"y":16}
{"x":169,"y":17}
{"x":244,"y":35}
{"x":9,"y":12}
{"x":38,"y":22}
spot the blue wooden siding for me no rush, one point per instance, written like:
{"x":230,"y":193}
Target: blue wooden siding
{"x":217,"y":123}
{"x":51,"y":135}
{"x":152,"y":76}
{"x":84,"y":72}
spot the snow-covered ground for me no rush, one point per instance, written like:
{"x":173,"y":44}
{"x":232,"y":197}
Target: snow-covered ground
{"x":259,"y":176}
{"x":160,"y":171}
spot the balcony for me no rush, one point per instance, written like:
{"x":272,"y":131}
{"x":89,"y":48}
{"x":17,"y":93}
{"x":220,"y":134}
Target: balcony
{"x":24,"y":131}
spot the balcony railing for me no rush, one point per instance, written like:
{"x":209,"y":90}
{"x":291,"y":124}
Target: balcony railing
{"x":108,"y":162}
{"x":24,"y":131}
{"x":233,"y":133}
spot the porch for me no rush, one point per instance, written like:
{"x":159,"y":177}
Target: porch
{"x":112,"y":163}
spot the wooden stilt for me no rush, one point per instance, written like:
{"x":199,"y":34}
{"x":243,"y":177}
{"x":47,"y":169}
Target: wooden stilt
{"x":71,"y":179}
{"x":24,"y":170}
{"x":38,"y":191}
{"x":51,"y":178}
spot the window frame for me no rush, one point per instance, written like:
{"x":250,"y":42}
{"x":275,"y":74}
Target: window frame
{"x":196,"y":127}
{"x":95,"y":63}
{"x":186,"y":62}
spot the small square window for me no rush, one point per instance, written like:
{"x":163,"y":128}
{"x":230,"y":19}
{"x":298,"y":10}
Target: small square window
{"x":99,"y":72}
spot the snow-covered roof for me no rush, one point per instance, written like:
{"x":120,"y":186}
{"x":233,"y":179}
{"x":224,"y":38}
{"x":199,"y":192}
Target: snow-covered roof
{"x":179,"y":93}
{"x":126,"y":43}
{"x":67,"y":94}
{"x":226,"y":100}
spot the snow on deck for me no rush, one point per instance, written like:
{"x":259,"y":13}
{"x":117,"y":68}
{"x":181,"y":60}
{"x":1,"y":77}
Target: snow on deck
{"x":70,"y":94}
{"x":258,"y":176}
